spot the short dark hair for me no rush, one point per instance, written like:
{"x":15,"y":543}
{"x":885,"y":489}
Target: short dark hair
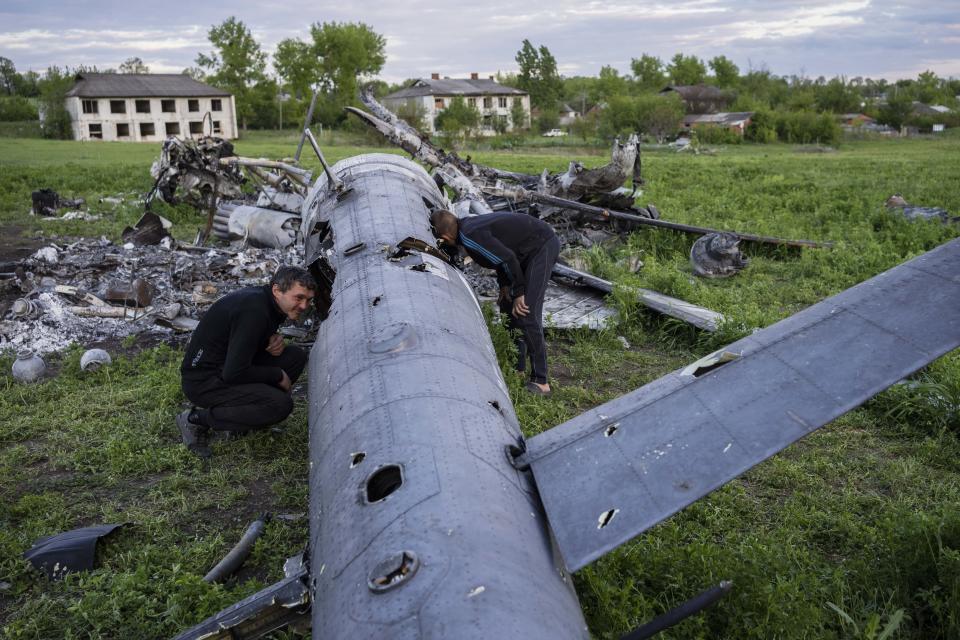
{"x":286,"y":276}
{"x":443,"y":221}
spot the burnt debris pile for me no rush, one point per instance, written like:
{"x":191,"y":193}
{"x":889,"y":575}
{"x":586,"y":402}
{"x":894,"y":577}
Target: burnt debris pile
{"x":91,"y":291}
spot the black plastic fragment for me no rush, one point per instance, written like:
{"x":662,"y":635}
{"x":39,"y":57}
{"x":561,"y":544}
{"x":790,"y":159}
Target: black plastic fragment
{"x":69,"y":551}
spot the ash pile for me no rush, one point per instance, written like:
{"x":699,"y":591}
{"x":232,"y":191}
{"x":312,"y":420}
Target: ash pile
{"x":92,"y":291}
{"x":150,"y":286}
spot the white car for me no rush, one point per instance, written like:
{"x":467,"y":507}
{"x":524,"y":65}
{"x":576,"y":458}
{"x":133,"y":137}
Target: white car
{"x":554,"y":133}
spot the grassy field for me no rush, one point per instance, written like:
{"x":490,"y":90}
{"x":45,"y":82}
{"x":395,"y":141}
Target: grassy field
{"x":851,"y":533}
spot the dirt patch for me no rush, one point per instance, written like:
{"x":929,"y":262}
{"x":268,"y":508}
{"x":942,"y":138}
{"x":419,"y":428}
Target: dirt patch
{"x":15,"y":246}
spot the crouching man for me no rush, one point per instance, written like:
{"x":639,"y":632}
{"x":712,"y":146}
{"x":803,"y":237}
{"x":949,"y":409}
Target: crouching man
{"x":522,"y":250}
{"x":237,"y":371}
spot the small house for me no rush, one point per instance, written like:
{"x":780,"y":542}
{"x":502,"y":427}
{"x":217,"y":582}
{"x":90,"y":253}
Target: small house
{"x":493,"y":100}
{"x":138,"y":107}
{"x":736,"y":122}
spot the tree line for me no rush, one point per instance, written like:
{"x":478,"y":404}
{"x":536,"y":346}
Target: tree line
{"x":338,"y":56}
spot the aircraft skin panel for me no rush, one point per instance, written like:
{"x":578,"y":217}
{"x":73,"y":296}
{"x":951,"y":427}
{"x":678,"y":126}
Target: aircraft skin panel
{"x":421,"y":527}
{"x":617,"y":470}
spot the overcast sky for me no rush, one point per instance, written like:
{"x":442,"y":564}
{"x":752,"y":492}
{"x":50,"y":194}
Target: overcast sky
{"x":867,"y":38}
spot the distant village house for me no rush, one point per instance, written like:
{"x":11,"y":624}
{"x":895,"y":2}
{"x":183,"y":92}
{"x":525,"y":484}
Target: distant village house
{"x":736,"y":122}
{"x":430,"y":96}
{"x":137,"y":107}
{"x":568,"y":115}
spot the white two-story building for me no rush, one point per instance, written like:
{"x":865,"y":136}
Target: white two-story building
{"x":148,"y":107}
{"x":494,"y":101}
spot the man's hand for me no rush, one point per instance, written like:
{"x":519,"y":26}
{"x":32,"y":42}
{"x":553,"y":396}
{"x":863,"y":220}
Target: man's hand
{"x":275,"y":345}
{"x":285,"y":383}
{"x":520,"y":307}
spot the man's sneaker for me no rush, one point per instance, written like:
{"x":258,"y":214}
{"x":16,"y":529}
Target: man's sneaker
{"x":196,"y":437}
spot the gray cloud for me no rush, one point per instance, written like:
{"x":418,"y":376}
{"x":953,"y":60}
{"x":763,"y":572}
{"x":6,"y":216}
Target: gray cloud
{"x":868,"y":38}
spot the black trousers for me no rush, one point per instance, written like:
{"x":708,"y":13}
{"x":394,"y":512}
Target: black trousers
{"x":531,"y":343}
{"x":245,"y":407}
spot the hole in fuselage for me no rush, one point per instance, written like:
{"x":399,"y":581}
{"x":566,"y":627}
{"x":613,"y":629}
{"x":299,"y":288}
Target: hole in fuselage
{"x":357,"y":458}
{"x":606,"y":517}
{"x":383,"y":482}
{"x":612,"y":429}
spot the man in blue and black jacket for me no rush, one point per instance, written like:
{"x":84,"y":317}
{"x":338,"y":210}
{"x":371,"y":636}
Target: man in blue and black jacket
{"x":522,"y":250}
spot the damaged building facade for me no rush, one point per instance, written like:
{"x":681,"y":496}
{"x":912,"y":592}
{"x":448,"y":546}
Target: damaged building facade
{"x":135,"y":107}
{"x":429,"y":97}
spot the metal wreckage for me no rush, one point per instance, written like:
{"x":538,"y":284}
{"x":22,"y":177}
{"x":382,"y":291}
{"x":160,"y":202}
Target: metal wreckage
{"x":431,"y":516}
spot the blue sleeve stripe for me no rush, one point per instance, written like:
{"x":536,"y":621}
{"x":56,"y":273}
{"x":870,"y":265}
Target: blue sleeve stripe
{"x":485,"y":253}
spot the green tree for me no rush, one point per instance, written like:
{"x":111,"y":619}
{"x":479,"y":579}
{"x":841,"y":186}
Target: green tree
{"x":346,"y":52}
{"x":763,"y":88}
{"x":196,"y":73}
{"x":659,"y":116}
{"x":648,"y":73}
{"x":134,"y":65}
{"x":686,"y":70}
{"x":548,"y":119}
{"x":265,"y":106}
{"x":518,"y":115}
{"x":414,"y":114}
{"x":586,"y":127}
{"x":457,"y":119}
{"x":837,"y":96}
{"x":28,"y":84}
{"x":8,"y":76}
{"x":610,"y":83}
{"x":928,"y":88}
{"x":897,"y":109}
{"x":762,"y":127}
{"x":726,"y":74}
{"x":297,"y":65}
{"x":539,"y":77}
{"x":619,"y":118}
{"x":55,"y":120}
{"x":17,"y":109}
{"x":236,"y":65}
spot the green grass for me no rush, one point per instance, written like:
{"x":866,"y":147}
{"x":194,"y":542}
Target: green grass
{"x":854,"y":530}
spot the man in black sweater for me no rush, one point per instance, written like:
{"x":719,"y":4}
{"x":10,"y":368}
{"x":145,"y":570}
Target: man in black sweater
{"x":522,"y":250}
{"x":237,"y":371}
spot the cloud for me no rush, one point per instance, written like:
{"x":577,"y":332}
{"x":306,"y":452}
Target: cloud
{"x":820,"y":37}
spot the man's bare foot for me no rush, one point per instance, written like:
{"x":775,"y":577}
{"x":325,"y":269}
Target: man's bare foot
{"x":538,"y":388}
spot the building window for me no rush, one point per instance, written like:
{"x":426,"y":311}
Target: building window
{"x":472,"y":102}
{"x":168,"y":106}
{"x":488,"y":103}
{"x":147,"y":129}
{"x":216,"y":126}
{"x":96,"y":131}
{"x":89,"y":106}
{"x":123,"y":130}
{"x":143,"y":106}
{"x":502,"y":102}
{"x":193,"y":105}
{"x":118,"y":106}
{"x":196,"y":128}
{"x":216,"y":105}
{"x":173,"y":128}
{"x":438,"y":103}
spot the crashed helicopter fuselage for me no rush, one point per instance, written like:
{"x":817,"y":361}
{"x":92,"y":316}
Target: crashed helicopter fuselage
{"x":420,"y":525}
